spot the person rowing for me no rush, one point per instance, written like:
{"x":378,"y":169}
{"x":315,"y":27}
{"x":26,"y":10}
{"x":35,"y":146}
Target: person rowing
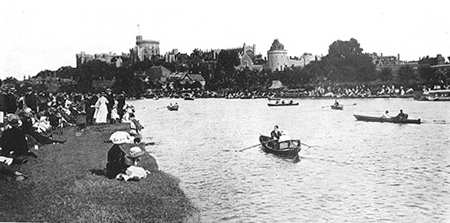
{"x":336,"y":103}
{"x":401,"y":116}
{"x":275,"y":135}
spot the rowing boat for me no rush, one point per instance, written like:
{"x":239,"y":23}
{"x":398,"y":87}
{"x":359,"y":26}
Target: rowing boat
{"x":283,"y":103}
{"x":337,"y":107}
{"x":286,"y":148}
{"x":172,"y":107}
{"x":391,"y":120}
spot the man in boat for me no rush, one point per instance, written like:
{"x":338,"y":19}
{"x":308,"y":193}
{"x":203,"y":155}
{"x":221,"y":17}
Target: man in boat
{"x":336,"y":103}
{"x":275,"y":135}
{"x":401,"y":116}
{"x":386,"y":115}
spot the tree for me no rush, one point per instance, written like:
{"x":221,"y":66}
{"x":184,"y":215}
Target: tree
{"x":227,"y":60}
{"x":385,"y":74}
{"x":407,"y":75}
{"x":345,"y":62}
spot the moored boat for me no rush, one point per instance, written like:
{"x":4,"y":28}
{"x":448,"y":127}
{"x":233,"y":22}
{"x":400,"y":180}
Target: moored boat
{"x":391,"y":120}
{"x":286,"y":148}
{"x":437,"y":95}
{"x":189,"y":98}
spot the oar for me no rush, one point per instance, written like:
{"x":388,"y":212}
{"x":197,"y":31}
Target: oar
{"x":248,"y":148}
{"x":309,"y":145}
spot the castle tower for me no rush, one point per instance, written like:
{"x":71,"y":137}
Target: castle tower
{"x":277,"y":57}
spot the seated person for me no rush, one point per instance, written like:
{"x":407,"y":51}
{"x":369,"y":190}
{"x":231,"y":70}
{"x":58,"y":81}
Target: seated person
{"x":116,"y":162}
{"x":401,"y":115}
{"x":13,"y":141}
{"x":336,"y":103}
{"x":386,"y":115}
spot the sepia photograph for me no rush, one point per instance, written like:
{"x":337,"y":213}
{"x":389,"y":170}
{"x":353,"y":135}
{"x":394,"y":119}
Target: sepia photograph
{"x":192,"y":111}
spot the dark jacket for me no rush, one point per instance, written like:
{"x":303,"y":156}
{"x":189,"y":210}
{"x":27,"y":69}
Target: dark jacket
{"x":13,"y":139}
{"x":116,"y":162}
{"x":275,"y":134}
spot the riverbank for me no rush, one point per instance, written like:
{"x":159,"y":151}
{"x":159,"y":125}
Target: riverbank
{"x":64,"y":184}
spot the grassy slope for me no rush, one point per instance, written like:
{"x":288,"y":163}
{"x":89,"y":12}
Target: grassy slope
{"x":61,"y":188}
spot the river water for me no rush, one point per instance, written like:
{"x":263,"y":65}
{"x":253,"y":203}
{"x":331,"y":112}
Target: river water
{"x":358,"y":171}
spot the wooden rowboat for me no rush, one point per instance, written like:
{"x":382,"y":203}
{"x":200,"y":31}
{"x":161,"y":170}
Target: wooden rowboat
{"x":391,"y":120}
{"x":337,"y":107}
{"x":287,"y":148}
{"x":172,"y":107}
{"x":283,"y":104}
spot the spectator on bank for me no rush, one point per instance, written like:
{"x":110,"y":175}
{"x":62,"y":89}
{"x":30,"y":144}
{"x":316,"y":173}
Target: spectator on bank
{"x":101,"y":109}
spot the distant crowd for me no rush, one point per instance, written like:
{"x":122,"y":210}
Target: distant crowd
{"x":358,"y":91}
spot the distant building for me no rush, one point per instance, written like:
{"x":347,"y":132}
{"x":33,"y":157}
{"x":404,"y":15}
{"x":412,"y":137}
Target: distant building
{"x":186,"y":78}
{"x":380,"y":60}
{"x":155,"y":74}
{"x":109,"y":58}
{"x":247,"y":57}
{"x":171,"y":56}
{"x":278,"y":60}
{"x":144,"y":49}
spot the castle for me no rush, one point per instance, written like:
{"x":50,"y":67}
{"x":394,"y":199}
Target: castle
{"x":144,"y":49}
{"x":278,"y":60}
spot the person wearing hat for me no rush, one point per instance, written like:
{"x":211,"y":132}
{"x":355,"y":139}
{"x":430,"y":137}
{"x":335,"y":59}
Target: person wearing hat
{"x":116,"y":163}
{"x":101,"y":109}
{"x":110,"y":105}
{"x":135,"y":154}
{"x":13,"y":141}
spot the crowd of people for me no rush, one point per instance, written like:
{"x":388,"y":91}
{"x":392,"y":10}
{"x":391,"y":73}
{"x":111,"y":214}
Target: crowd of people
{"x":358,"y":91}
{"x":29,"y":120}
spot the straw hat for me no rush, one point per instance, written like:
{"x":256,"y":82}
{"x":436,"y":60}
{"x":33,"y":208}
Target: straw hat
{"x":120,"y":137}
{"x":136,"y":152}
{"x":13,"y":120}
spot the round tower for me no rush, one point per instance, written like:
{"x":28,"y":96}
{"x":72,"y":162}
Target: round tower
{"x":277,"y":57}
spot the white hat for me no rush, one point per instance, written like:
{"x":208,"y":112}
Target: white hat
{"x":133,"y":132}
{"x":120,"y":137}
{"x":136,"y":152}
{"x":27,"y":110}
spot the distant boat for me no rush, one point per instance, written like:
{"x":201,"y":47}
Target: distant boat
{"x":172,"y":107}
{"x":286,"y":148}
{"x":337,"y":107}
{"x":189,"y":98}
{"x":391,"y":120}
{"x":283,"y":103}
{"x":437,"y":95}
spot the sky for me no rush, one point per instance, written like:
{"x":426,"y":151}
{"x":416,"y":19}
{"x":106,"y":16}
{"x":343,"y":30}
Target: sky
{"x":46,"y":34}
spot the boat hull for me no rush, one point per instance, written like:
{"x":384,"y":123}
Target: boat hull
{"x":172,"y":108}
{"x":287,"y":148}
{"x":337,"y":107}
{"x":390,"y":120}
{"x":278,"y":105}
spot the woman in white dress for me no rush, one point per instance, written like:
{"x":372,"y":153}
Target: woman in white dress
{"x":101,"y":109}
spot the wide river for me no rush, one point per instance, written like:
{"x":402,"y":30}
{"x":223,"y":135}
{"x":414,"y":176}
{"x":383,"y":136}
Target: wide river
{"x":358,"y":171}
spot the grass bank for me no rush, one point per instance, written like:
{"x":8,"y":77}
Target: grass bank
{"x":62,"y":188}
